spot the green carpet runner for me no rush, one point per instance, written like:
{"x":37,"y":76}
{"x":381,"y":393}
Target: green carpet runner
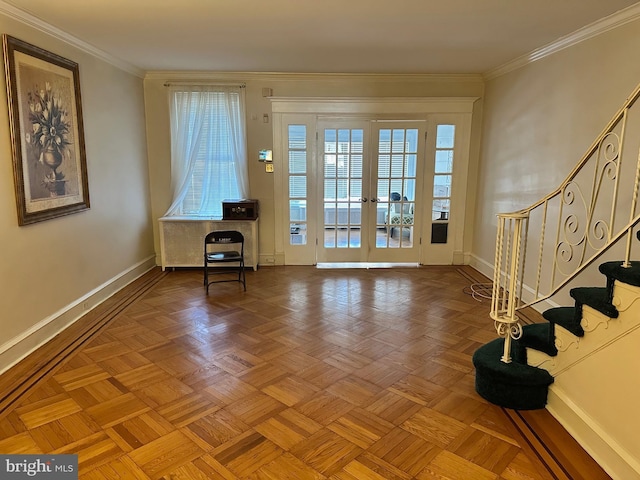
{"x":521,"y":386}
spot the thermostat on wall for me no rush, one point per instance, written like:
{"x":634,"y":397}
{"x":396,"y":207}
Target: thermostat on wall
{"x":265,"y":156}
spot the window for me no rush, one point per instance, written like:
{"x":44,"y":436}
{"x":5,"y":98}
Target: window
{"x":297,"y":147}
{"x":208,"y":149}
{"x":443,"y":173}
{"x":442,"y":177}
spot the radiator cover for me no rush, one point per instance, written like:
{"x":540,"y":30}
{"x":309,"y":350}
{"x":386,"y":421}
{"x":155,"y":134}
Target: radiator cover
{"x":182,"y":239}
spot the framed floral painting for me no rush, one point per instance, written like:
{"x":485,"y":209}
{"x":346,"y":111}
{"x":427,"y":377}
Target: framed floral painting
{"x":47,"y":136}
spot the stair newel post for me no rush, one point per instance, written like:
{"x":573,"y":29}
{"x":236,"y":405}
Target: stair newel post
{"x":511,"y":319}
{"x":632,"y":214}
{"x":505,"y":296}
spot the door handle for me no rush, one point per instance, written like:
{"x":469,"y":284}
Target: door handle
{"x":374,"y":200}
{"x":363,"y":200}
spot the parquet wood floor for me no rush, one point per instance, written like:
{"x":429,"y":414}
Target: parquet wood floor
{"x":309,"y":374}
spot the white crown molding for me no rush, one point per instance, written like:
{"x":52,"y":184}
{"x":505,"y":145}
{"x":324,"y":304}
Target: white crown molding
{"x":603,"y":25}
{"x":34,"y":22}
{"x":178,"y":75}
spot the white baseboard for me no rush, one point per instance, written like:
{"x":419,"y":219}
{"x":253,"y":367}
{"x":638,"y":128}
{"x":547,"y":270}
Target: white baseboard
{"x":613,"y":458}
{"x":486,"y":269}
{"x":17,"y":348}
{"x":279,"y":257}
{"x":461,"y":258}
{"x":481,"y":265}
{"x":266,"y":260}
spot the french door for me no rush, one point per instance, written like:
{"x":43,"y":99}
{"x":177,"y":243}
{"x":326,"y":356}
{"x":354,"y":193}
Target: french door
{"x":351,"y":187}
{"x":369,"y":188}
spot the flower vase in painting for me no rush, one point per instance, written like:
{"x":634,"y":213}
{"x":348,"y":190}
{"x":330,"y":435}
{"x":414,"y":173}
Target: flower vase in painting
{"x":49,"y":136}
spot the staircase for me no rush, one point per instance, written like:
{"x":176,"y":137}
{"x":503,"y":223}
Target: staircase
{"x":592,"y":213}
{"x":522,"y":384}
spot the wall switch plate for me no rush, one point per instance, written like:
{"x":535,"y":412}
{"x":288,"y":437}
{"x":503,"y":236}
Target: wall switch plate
{"x":268,"y":167}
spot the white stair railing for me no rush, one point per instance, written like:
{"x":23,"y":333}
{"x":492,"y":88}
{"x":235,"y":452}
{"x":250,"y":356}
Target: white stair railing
{"x":572,"y":226}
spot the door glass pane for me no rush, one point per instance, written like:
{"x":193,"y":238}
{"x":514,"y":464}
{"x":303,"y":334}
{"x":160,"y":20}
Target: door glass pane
{"x":410,"y":188}
{"x":357,"y":138}
{"x":356,"y":165}
{"x":355,"y":189}
{"x":412,"y":141}
{"x":383,"y":190}
{"x":297,"y":154}
{"x":329,"y":238}
{"x":343,"y":166}
{"x":384,"y":141}
{"x":298,"y":234}
{"x":396,"y":187}
{"x":440,"y":209}
{"x":397,"y":166}
{"x":445,"y":141}
{"x":397,"y":141}
{"x":444,"y":161}
{"x":384,"y":166}
{"x":445,"y":135}
{"x":330,"y":138}
{"x":442,"y":185}
{"x":330,"y":188}
{"x":330,"y":170}
{"x":344,"y":140}
{"x":298,"y":227}
{"x":354,"y":214}
{"x":298,"y":210}
{"x":343,"y":174}
{"x":297,"y":162}
{"x":298,"y":187}
{"x":343,"y":188}
{"x":297,"y":137}
{"x":410,"y":166}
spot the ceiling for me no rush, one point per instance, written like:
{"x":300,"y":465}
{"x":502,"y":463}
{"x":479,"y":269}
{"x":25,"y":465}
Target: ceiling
{"x":323,"y":36}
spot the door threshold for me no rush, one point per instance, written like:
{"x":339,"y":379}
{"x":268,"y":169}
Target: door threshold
{"x":366,"y":265}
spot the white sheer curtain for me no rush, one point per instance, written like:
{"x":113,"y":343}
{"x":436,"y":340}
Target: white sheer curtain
{"x":208,"y":148}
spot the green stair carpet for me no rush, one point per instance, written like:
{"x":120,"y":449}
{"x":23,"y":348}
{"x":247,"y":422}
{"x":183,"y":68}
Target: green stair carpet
{"x":511,"y":385}
{"x":520,"y":386}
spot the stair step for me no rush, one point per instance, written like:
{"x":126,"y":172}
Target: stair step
{"x":595,"y":297}
{"x":539,"y":336}
{"x":519,"y":352}
{"x":615,"y":270}
{"x":510,"y":385}
{"x":566,"y":317}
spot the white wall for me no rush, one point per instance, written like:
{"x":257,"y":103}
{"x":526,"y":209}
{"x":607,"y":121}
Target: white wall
{"x":540,"y":119}
{"x":602,"y":393}
{"x":49,"y":269}
{"x":260,"y":134}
